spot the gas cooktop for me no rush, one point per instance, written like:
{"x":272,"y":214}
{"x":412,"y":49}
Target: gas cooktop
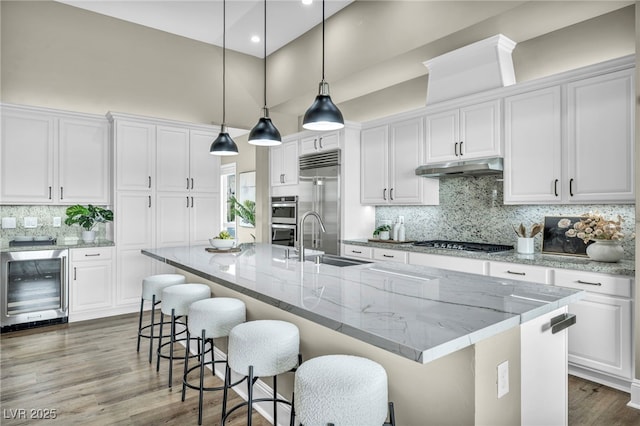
{"x":460,"y":245}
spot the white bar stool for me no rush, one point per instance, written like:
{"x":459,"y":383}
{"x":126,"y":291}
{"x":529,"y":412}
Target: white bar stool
{"x":152,"y":290}
{"x":176,"y":300}
{"x":264,"y":348}
{"x":210,"y":319}
{"x":341,"y":390}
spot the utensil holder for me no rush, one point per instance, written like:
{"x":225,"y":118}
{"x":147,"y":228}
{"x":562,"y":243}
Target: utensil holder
{"x":526,"y":245}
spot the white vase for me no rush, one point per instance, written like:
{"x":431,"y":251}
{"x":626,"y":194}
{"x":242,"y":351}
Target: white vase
{"x":88,"y":236}
{"x":605,"y":251}
{"x":525,"y":245}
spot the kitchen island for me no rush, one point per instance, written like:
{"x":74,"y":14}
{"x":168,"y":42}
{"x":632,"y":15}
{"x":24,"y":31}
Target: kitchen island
{"x":439,"y":334}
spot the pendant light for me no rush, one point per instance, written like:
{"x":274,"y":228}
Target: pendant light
{"x":265,"y":133}
{"x":323,"y":114}
{"x":223,"y":145}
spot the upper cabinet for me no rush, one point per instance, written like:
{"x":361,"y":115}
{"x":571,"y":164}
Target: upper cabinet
{"x":590,"y":161}
{"x":465,"y":133}
{"x":390,"y":153}
{"x":319,"y":142}
{"x":283,"y":163}
{"x":53,"y":157}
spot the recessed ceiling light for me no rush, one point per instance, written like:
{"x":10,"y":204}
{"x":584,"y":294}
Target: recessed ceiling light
{"x":255,"y":39}
{"x":307,"y":2}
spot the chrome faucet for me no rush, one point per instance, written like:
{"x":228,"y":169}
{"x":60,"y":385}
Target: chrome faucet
{"x":301,"y":231}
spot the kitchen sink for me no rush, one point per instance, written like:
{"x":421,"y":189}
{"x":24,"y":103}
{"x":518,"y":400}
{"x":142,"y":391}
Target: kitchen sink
{"x":339,"y":261}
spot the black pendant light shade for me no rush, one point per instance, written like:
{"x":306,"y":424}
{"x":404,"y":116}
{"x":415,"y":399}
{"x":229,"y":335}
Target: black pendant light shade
{"x":223,"y":145}
{"x":323,"y":114}
{"x":265,"y":133}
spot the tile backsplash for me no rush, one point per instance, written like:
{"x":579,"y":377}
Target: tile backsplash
{"x":44,"y":215}
{"x":471,"y":209}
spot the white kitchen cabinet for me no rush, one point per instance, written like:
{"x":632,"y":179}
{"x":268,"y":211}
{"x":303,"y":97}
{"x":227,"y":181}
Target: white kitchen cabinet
{"x":53,"y":157}
{"x":390,"y":153}
{"x":543,"y":370}
{"x":464,"y":133}
{"x":389,"y":255}
{"x":359,"y":252}
{"x":91,"y":288}
{"x":592,"y":163}
{"x":319,"y":142}
{"x":601,"y":340}
{"x":184,"y":220}
{"x":454,"y":263}
{"x":600,"y":144}
{"x":283,"y":163}
{"x":514,"y":271}
{"x":135,"y":148}
{"x":204,"y":168}
{"x":533,"y":147}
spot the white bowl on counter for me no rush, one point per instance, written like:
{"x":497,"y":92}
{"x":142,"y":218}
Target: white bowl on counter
{"x":221,"y":244}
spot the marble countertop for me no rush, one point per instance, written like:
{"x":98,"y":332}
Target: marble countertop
{"x":623,"y":267}
{"x":416,"y":312}
{"x":99,"y":243}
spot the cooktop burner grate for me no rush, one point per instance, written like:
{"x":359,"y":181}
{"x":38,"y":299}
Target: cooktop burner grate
{"x":461,"y":245}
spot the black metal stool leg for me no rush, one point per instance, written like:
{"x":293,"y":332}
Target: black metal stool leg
{"x":159,"y":342}
{"x":153,"y":311}
{"x":227,"y":383}
{"x":186,"y":365}
{"x":250,"y":395}
{"x":201,"y":390}
{"x":172,"y":341}
{"x":275,"y":400}
{"x":140,"y":323}
{"x":292,"y":417}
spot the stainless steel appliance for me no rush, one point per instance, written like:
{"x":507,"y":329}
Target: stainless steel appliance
{"x":467,"y":246}
{"x":284,"y":220}
{"x":320,"y":192}
{"x":34,"y":288}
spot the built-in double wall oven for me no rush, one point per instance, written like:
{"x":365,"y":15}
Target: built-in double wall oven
{"x":284,"y":220}
{"x":34,"y":288}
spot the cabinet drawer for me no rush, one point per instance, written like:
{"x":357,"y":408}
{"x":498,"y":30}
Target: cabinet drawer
{"x":515,"y":271}
{"x":592,"y":282}
{"x":453,"y":263}
{"x":350,"y":250}
{"x":390,"y":255}
{"x":97,"y":253}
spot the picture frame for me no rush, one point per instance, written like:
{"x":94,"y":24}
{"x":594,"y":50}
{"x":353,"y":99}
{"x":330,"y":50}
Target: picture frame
{"x":554,"y":240}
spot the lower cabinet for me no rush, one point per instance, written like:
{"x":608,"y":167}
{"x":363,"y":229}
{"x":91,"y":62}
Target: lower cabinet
{"x":453,"y":263}
{"x":388,"y":255}
{"x":91,"y":286}
{"x":600,"y":344}
{"x":514,"y":271}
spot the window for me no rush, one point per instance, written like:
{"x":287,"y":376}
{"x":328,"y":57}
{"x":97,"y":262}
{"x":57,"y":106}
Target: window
{"x":228,"y":189}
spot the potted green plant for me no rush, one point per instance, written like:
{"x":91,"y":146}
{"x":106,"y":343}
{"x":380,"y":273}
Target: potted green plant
{"x":246,"y":210}
{"x":88,"y":217}
{"x":382,"y":232}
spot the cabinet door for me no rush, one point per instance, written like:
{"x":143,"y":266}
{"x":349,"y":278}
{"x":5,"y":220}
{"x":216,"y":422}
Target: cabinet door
{"x":328,"y":141}
{"x":204,"y":218}
{"x":374,"y":166}
{"x":132,"y":267}
{"x":91,"y":286}
{"x":172,"y":159}
{"x":533,"y":150}
{"x":27,"y":158}
{"x":601,"y":337}
{"x":480,"y":131}
{"x":172,"y":219}
{"x":406,"y":153}
{"x":514,"y":271}
{"x":600,"y":129}
{"x":276,"y":165}
{"x":204,"y":168}
{"x":134,"y":220}
{"x":135,"y":155}
{"x":290,"y":163}
{"x":309,"y":145}
{"x":83,"y":158}
{"x":443,"y":136}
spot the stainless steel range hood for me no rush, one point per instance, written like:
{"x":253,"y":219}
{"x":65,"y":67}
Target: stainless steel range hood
{"x":487,"y":166}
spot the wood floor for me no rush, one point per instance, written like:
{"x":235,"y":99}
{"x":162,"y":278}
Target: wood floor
{"x":90,"y":374}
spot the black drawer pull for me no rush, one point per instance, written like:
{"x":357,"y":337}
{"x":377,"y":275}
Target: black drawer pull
{"x":356,"y":251}
{"x":388,"y":255}
{"x":588,"y":283}
{"x":92,"y":255}
{"x":516,"y":273}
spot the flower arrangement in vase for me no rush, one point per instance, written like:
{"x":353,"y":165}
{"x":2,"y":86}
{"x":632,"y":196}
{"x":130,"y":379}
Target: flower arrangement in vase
{"x":605,"y":233}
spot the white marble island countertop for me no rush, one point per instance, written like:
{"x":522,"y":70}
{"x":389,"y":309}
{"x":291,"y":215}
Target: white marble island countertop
{"x":416,"y":312}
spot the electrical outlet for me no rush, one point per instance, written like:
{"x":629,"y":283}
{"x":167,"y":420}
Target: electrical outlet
{"x":503,"y":379}
{"x":57,"y":222}
{"x":8,"y":222}
{"x":30,"y":222}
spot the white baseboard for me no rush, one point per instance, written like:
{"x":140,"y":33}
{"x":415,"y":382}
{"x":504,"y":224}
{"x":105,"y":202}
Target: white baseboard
{"x":103,"y":313}
{"x":635,"y":395}
{"x":619,"y":383}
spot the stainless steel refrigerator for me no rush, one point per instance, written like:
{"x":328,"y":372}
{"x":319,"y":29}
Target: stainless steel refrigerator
{"x":319,"y":176}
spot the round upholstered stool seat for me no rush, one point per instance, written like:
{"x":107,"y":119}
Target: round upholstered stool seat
{"x":176,"y":300}
{"x":341,"y":390}
{"x":261,"y":348}
{"x":209,"y":319}
{"x":152,"y":287}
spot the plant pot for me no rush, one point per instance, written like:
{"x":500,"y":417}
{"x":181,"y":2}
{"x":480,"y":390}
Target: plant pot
{"x":88,"y":236}
{"x":383,"y":235}
{"x":605,"y":251}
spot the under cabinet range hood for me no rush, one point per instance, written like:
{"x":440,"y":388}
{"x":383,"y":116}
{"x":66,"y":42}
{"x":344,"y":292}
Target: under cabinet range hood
{"x":487,"y":166}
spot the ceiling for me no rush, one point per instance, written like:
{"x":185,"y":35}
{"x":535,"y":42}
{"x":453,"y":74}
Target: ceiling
{"x":202,"y":19}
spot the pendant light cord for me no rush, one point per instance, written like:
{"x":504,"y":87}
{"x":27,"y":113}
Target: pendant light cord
{"x":265,"y":54}
{"x":224,"y":27}
{"x":322,"y":40}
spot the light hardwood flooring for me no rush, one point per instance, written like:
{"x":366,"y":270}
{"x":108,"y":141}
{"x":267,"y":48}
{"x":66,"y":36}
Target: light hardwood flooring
{"x":90,"y":373}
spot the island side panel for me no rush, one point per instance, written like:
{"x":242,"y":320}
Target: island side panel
{"x":441,"y":392}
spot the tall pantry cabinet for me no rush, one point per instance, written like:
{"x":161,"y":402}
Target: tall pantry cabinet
{"x":166,"y":194}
